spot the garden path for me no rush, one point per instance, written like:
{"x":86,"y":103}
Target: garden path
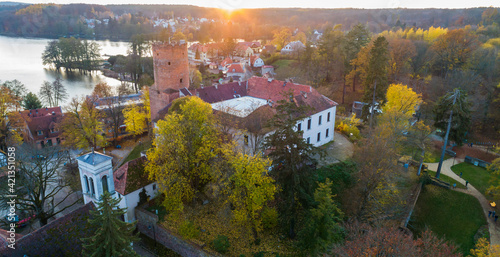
{"x":493,"y":227}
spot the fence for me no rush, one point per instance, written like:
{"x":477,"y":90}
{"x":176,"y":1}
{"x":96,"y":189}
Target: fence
{"x":476,"y":161}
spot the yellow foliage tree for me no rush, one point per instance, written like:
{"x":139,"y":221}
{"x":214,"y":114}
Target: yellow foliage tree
{"x":251,"y":187}
{"x":135,"y":119}
{"x":483,"y":249}
{"x":10,"y":120}
{"x":494,"y":189}
{"x":185,"y":146}
{"x":83,"y":125}
{"x":281,"y":37}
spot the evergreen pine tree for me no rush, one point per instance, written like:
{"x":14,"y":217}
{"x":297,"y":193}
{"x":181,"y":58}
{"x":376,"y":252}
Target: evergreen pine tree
{"x":31,"y":102}
{"x":377,"y":72}
{"x":113,"y":237}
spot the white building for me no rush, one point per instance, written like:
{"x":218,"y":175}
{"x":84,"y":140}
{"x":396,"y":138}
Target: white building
{"x":293,"y":47}
{"x":97,"y":177}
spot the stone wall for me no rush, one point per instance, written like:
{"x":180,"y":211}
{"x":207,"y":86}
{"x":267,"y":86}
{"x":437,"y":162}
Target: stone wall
{"x":167,"y":238}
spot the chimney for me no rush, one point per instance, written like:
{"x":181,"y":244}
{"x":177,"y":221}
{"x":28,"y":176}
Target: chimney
{"x":216,"y":86}
{"x":310,"y":89}
{"x":246,"y":87}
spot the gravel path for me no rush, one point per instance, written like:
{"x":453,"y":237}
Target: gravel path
{"x":494,"y":228}
{"x":340,"y":150}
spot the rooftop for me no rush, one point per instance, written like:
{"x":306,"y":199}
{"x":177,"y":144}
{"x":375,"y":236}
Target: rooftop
{"x":240,"y":106}
{"x":94,"y":158}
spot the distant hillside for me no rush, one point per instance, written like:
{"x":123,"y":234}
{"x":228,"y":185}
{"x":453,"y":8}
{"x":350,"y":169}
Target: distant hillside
{"x":11,"y":3}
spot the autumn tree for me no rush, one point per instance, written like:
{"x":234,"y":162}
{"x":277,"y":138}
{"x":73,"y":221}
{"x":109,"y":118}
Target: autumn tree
{"x":178,"y":36}
{"x":494,"y":189}
{"x":195,"y":78}
{"x":17,"y":89}
{"x":401,"y":52}
{"x":186,"y":143}
{"x":322,"y":227}
{"x":293,"y":164}
{"x":112,"y":236}
{"x":357,"y":38}
{"x":83,"y":125}
{"x":484,"y":249}
{"x":10,"y":120}
{"x":135,"y":119}
{"x":453,"y":49}
{"x":365,"y":240}
{"x":110,"y":99}
{"x":251,"y":189}
{"x":281,"y":37}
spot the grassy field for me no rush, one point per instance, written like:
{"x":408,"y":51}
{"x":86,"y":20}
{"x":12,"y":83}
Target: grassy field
{"x":479,"y":177}
{"x":431,"y":155}
{"x":450,"y":214}
{"x":446,"y":179}
{"x":136,"y":152}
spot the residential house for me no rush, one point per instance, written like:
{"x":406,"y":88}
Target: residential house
{"x":293,"y":47}
{"x":42,"y":126}
{"x":256,"y":61}
{"x":243,"y":50}
{"x":236,"y":71}
{"x":268,"y":71}
{"x":255,"y":45}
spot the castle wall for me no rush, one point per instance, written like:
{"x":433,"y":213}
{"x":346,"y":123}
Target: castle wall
{"x":171,"y":73}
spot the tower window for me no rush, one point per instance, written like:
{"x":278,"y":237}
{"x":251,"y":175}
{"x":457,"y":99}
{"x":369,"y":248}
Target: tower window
{"x":168,"y":63}
{"x":181,"y":80}
{"x":104,"y":181}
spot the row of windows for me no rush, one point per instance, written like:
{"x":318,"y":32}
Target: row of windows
{"x":299,"y":126}
{"x":90,"y":181}
{"x":327,"y":134}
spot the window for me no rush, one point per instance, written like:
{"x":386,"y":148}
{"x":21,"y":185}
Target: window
{"x":319,"y":136}
{"x":40,"y":132}
{"x":328,"y":117}
{"x":154,"y":186}
{"x":58,"y":140}
{"x":92,"y":191}
{"x":168,"y":63}
{"x":309,"y":124}
{"x":49,"y":142}
{"x":245,"y":139}
{"x":308,"y":140}
{"x":319,"y":120}
{"x":181,"y":80}
{"x":104,"y":181}
{"x":86,"y":184}
{"x":327,"y":132}
{"x":299,"y":127}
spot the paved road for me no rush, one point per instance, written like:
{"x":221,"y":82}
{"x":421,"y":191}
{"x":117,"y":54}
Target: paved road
{"x":494,"y":228}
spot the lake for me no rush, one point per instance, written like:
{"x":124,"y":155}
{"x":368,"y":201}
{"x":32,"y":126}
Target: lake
{"x":21,"y":59}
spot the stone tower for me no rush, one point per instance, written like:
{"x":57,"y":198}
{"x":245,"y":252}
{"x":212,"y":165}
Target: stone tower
{"x":171,"y":73}
{"x":96,"y":175}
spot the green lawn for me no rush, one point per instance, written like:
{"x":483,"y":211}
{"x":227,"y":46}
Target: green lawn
{"x":479,"y":177}
{"x":450,"y":214}
{"x":283,"y":63}
{"x":431,"y":155}
{"x":446,"y":179}
{"x":136,"y":152}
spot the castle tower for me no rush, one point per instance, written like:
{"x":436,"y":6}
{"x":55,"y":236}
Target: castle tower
{"x":171,"y":73}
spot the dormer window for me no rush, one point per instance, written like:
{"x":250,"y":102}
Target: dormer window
{"x":40,"y":132}
{"x":53,"y":130}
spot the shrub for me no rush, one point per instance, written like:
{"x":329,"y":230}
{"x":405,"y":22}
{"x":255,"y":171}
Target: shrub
{"x":259,"y":254}
{"x":221,"y":244}
{"x":188,"y":230}
{"x":269,"y":218}
{"x":349,"y":127}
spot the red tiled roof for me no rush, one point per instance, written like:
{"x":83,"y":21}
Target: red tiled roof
{"x":43,"y":119}
{"x":235,"y":68}
{"x":131,"y":176}
{"x":226,"y":61}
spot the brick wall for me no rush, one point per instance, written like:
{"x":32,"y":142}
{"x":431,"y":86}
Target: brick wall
{"x":166,"y":237}
{"x":171,"y":71}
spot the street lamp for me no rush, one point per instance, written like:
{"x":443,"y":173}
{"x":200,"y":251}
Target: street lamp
{"x":154,"y":233}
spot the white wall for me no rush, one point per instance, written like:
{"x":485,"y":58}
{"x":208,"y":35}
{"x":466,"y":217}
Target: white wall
{"x":316,"y":128}
{"x":131,"y":200}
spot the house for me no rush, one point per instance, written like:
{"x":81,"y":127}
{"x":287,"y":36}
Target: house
{"x":255,"y":45}
{"x":268,"y":49}
{"x":269,"y":70}
{"x":213,"y":66}
{"x":256,"y":61}
{"x":224,"y":64}
{"x":243,"y":50}
{"x":235,"y":70}
{"x":126,"y":183}
{"x":293,"y":47}
{"x":41,"y":126}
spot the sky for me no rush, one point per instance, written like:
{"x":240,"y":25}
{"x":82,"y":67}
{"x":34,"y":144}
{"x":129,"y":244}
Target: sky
{"x":238,"y":4}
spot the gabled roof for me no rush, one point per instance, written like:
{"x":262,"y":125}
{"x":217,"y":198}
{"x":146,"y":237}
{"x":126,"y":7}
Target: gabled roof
{"x":41,"y":120}
{"x":254,"y":58}
{"x":235,"y":68}
{"x":94,"y":158}
{"x":226,"y":61}
{"x":131,"y":176}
